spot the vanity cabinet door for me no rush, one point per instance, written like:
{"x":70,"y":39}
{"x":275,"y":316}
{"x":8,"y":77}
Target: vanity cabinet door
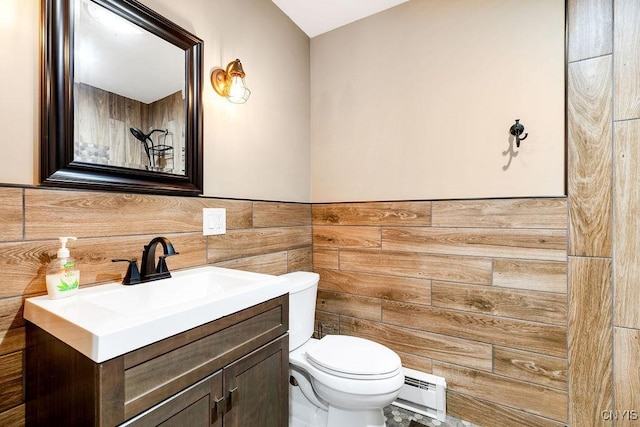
{"x":257,"y":387}
{"x":195,"y":406}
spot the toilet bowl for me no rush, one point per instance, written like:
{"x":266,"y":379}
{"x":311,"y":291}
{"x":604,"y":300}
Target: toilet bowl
{"x":337,"y":380}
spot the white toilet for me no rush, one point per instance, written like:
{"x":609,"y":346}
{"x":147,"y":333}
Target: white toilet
{"x":338,"y":380}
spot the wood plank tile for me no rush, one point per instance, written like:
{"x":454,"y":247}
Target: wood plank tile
{"x":349,"y":305}
{"x":539,"y":400}
{"x":346,"y":236}
{"x":482,"y":412}
{"x":485,"y":242}
{"x":325,"y":258}
{"x":589,"y":115}
{"x":11,"y":389}
{"x":546,"y":276}
{"x":424,"y":344}
{"x":531,"y":367}
{"x":626,"y":239}
{"x":239,"y":212}
{"x":94,"y":126}
{"x":373,"y":213}
{"x":273,"y":214}
{"x":326,"y":324}
{"x":417,"y":291}
{"x":626,"y":75}
{"x":12,"y":340}
{"x":14,"y":417}
{"x":259,"y":241}
{"x":537,"y":337}
{"x":274,"y":263}
{"x":11,"y":313}
{"x":418,"y":363}
{"x":590,"y":28}
{"x":626,"y":382}
{"x":10,"y":214}
{"x":24,"y":268}
{"x":423,"y":266}
{"x":53,"y":213}
{"x":541,"y":307}
{"x":590,"y":339}
{"x":501,"y":213}
{"x":300,"y":259}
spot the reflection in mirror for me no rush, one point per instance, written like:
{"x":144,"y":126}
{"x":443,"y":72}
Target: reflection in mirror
{"x":129,"y":86}
{"x":121,"y":99}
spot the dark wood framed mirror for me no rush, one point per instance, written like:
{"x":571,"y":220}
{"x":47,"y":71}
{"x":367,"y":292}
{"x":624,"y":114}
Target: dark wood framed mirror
{"x":120,"y":99}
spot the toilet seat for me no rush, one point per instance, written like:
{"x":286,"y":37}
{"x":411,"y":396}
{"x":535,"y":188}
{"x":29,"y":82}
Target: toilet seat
{"x":363,"y":386}
{"x":355,"y":358}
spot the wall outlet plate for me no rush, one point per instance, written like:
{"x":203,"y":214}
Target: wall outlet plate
{"x":214,"y":221}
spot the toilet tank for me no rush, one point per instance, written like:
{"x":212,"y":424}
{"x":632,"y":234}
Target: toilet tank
{"x":303,"y":287}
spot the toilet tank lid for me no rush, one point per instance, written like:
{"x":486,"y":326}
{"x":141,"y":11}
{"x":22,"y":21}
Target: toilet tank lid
{"x":300,"y":280}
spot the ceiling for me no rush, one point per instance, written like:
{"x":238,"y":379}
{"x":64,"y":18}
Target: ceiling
{"x":315,"y":17}
{"x":117,"y":56}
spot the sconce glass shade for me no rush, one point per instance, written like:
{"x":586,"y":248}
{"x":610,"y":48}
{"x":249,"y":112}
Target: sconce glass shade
{"x":230,"y":83}
{"x":238,"y":91}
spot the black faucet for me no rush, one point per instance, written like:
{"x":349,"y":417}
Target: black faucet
{"x":149,"y":270}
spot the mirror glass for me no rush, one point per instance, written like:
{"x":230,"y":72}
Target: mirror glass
{"x":121,"y":105}
{"x":129,"y":86}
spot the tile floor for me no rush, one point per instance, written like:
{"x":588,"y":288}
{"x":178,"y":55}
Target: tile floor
{"x":399,"y":417}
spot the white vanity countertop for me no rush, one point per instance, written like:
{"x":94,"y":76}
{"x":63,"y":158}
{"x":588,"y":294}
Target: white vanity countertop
{"x":106,"y":321}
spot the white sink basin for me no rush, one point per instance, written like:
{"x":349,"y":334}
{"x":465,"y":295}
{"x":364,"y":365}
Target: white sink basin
{"x":208,"y":283}
{"x":145,"y":299}
{"x":109,"y":320}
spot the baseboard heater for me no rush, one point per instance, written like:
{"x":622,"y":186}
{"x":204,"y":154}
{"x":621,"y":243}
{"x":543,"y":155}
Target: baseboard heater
{"x":424,"y":394}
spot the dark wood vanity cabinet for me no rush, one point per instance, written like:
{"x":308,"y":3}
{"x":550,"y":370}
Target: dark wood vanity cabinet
{"x":195,"y":406}
{"x":229,"y":372}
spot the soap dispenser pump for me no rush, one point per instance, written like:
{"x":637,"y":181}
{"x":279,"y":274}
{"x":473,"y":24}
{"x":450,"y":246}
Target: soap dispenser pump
{"x":63,"y":276}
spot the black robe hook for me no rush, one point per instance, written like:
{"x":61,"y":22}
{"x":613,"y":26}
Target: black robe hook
{"x":516,"y":130}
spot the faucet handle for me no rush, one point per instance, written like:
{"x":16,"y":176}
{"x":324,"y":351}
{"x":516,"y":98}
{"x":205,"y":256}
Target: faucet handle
{"x":132,"y":276}
{"x":162,"y":264}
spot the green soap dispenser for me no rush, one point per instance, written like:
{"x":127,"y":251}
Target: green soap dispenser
{"x":63,"y":276}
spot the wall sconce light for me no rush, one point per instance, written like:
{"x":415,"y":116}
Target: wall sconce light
{"x":230,"y":83}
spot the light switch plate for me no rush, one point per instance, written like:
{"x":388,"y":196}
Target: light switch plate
{"x":214,"y":221}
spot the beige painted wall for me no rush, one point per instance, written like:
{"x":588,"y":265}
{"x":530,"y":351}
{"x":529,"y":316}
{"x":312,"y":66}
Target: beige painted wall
{"x":259,"y":150}
{"x":416,"y":102}
{"x":369,"y":138}
{"x":19,"y":83}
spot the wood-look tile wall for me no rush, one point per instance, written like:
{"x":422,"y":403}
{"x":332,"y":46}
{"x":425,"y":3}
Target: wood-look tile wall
{"x":472,"y":322}
{"x":474,"y":291}
{"x":604,"y":202}
{"x":105,"y":119}
{"x":261,"y":236}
